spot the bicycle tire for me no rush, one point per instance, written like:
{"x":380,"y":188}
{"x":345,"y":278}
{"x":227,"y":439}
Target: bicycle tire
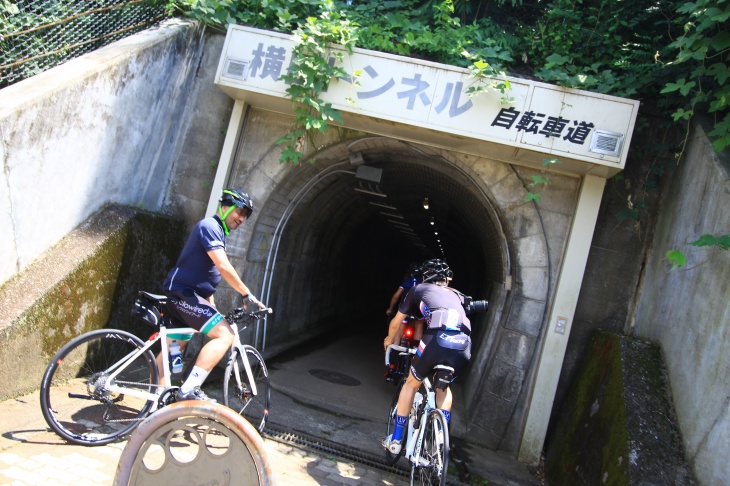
{"x":432,"y":462}
{"x":74,"y":401}
{"x":237,"y":391}
{"x":391,"y":458}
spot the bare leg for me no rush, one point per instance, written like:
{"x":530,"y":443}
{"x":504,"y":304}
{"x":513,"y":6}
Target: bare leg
{"x":221,"y":339}
{"x":444,"y":399}
{"x":405,"y":399}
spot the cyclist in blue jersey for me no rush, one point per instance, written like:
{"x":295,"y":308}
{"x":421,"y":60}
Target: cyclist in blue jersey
{"x":190,"y":285}
{"x":409,"y":280}
{"x":445,"y":340}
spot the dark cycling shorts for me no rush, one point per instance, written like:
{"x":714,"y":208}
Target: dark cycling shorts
{"x":189,"y":309}
{"x":439,"y":347}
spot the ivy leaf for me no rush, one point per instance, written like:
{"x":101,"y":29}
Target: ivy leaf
{"x":723,"y":242}
{"x":676,"y":258}
{"x":290,"y":155}
{"x":556,"y":60}
{"x":531,"y":196}
{"x":682,"y":114}
{"x":682,"y":85}
{"x":719,"y":71}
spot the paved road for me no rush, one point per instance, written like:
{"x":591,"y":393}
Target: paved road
{"x":327,"y":420}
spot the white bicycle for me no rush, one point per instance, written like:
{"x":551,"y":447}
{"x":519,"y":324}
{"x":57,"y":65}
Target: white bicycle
{"x":426,"y":438}
{"x":102,"y":384}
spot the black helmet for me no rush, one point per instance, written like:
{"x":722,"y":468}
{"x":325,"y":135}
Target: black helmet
{"x":239,"y":199}
{"x":436,"y":270}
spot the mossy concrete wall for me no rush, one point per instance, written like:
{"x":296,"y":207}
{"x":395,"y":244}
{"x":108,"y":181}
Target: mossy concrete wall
{"x":617,"y":425}
{"x":87,"y":281}
{"x":686,"y":310}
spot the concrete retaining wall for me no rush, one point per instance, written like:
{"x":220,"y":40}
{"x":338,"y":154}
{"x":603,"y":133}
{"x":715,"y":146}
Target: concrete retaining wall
{"x":113,"y":126}
{"x":618,"y":425}
{"x":87,"y":281}
{"x":687,"y":311}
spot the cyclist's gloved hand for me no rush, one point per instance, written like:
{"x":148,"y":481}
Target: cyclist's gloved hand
{"x":254,"y":300}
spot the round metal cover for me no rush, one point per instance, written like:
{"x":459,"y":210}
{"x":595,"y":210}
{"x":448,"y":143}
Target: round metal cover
{"x":335,"y":377}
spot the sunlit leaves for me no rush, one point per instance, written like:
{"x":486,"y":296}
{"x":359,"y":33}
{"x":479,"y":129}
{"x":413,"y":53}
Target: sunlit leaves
{"x":676,"y":258}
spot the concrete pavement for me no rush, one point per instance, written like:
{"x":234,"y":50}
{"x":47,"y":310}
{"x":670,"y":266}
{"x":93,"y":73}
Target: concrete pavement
{"x":30,"y":454}
{"x":328,"y":409}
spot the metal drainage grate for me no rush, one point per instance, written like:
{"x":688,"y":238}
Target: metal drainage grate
{"x":331,"y":448}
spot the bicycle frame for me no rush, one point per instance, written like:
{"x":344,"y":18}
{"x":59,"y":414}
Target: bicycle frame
{"x":122,"y":364}
{"x":162,"y":335}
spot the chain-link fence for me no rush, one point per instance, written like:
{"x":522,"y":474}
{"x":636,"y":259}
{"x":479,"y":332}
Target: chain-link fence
{"x":36,"y":35}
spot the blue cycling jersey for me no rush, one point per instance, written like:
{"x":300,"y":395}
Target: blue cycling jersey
{"x":194,"y":269}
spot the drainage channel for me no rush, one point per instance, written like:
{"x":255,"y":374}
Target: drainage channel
{"x":317,"y":444}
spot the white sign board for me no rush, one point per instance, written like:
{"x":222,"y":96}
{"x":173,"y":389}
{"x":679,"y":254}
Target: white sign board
{"x":543,"y":118}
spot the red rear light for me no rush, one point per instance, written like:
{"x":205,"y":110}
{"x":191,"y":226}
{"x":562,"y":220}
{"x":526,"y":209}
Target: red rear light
{"x":409,"y":332}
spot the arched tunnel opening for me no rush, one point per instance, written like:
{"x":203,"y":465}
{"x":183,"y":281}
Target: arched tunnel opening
{"x":347,"y":242}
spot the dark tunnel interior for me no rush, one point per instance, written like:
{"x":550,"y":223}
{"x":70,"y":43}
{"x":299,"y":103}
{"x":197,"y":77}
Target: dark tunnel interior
{"x":366,"y":233}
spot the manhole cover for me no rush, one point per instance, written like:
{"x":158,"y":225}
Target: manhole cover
{"x":335,"y":377}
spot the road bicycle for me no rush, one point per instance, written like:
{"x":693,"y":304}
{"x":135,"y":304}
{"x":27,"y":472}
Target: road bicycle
{"x":426,"y":438}
{"x":103,"y":383}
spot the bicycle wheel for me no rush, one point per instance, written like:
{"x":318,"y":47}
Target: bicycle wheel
{"x":75,"y":399}
{"x":237,"y":391}
{"x":433,"y":458}
{"x":391,"y":458}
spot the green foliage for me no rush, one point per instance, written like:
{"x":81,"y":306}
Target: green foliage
{"x":702,"y":52}
{"x":678,"y":259}
{"x":310,"y":75}
{"x":607,"y":46}
{"x":722,"y":242}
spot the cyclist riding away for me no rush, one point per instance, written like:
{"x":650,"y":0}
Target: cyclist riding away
{"x":445,"y":340}
{"x":410,"y":279}
{"x":192,"y":283}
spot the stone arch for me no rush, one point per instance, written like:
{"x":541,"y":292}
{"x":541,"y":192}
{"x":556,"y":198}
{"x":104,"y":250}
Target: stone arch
{"x":494,"y":395}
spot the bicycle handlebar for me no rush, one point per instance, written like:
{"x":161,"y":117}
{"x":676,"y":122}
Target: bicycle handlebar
{"x":239,"y":313}
{"x":395,"y":347}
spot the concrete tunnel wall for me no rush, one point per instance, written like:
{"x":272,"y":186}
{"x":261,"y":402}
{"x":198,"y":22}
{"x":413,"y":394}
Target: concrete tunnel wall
{"x":508,"y":251}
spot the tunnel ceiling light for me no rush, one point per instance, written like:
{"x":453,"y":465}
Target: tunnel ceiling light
{"x":436,"y":232}
{"x":425,"y":203}
{"x":383,"y":205}
{"x":392,"y":215}
{"x":433,"y":222}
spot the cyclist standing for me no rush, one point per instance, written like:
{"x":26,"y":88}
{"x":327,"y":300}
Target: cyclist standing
{"x":190,"y":285}
{"x":445,"y":340}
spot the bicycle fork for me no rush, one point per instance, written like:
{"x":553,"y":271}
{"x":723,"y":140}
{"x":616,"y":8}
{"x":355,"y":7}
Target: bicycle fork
{"x":246,"y":366}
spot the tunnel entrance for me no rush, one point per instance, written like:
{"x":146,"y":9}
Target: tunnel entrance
{"x":334,"y":247}
{"x":329,"y":246}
